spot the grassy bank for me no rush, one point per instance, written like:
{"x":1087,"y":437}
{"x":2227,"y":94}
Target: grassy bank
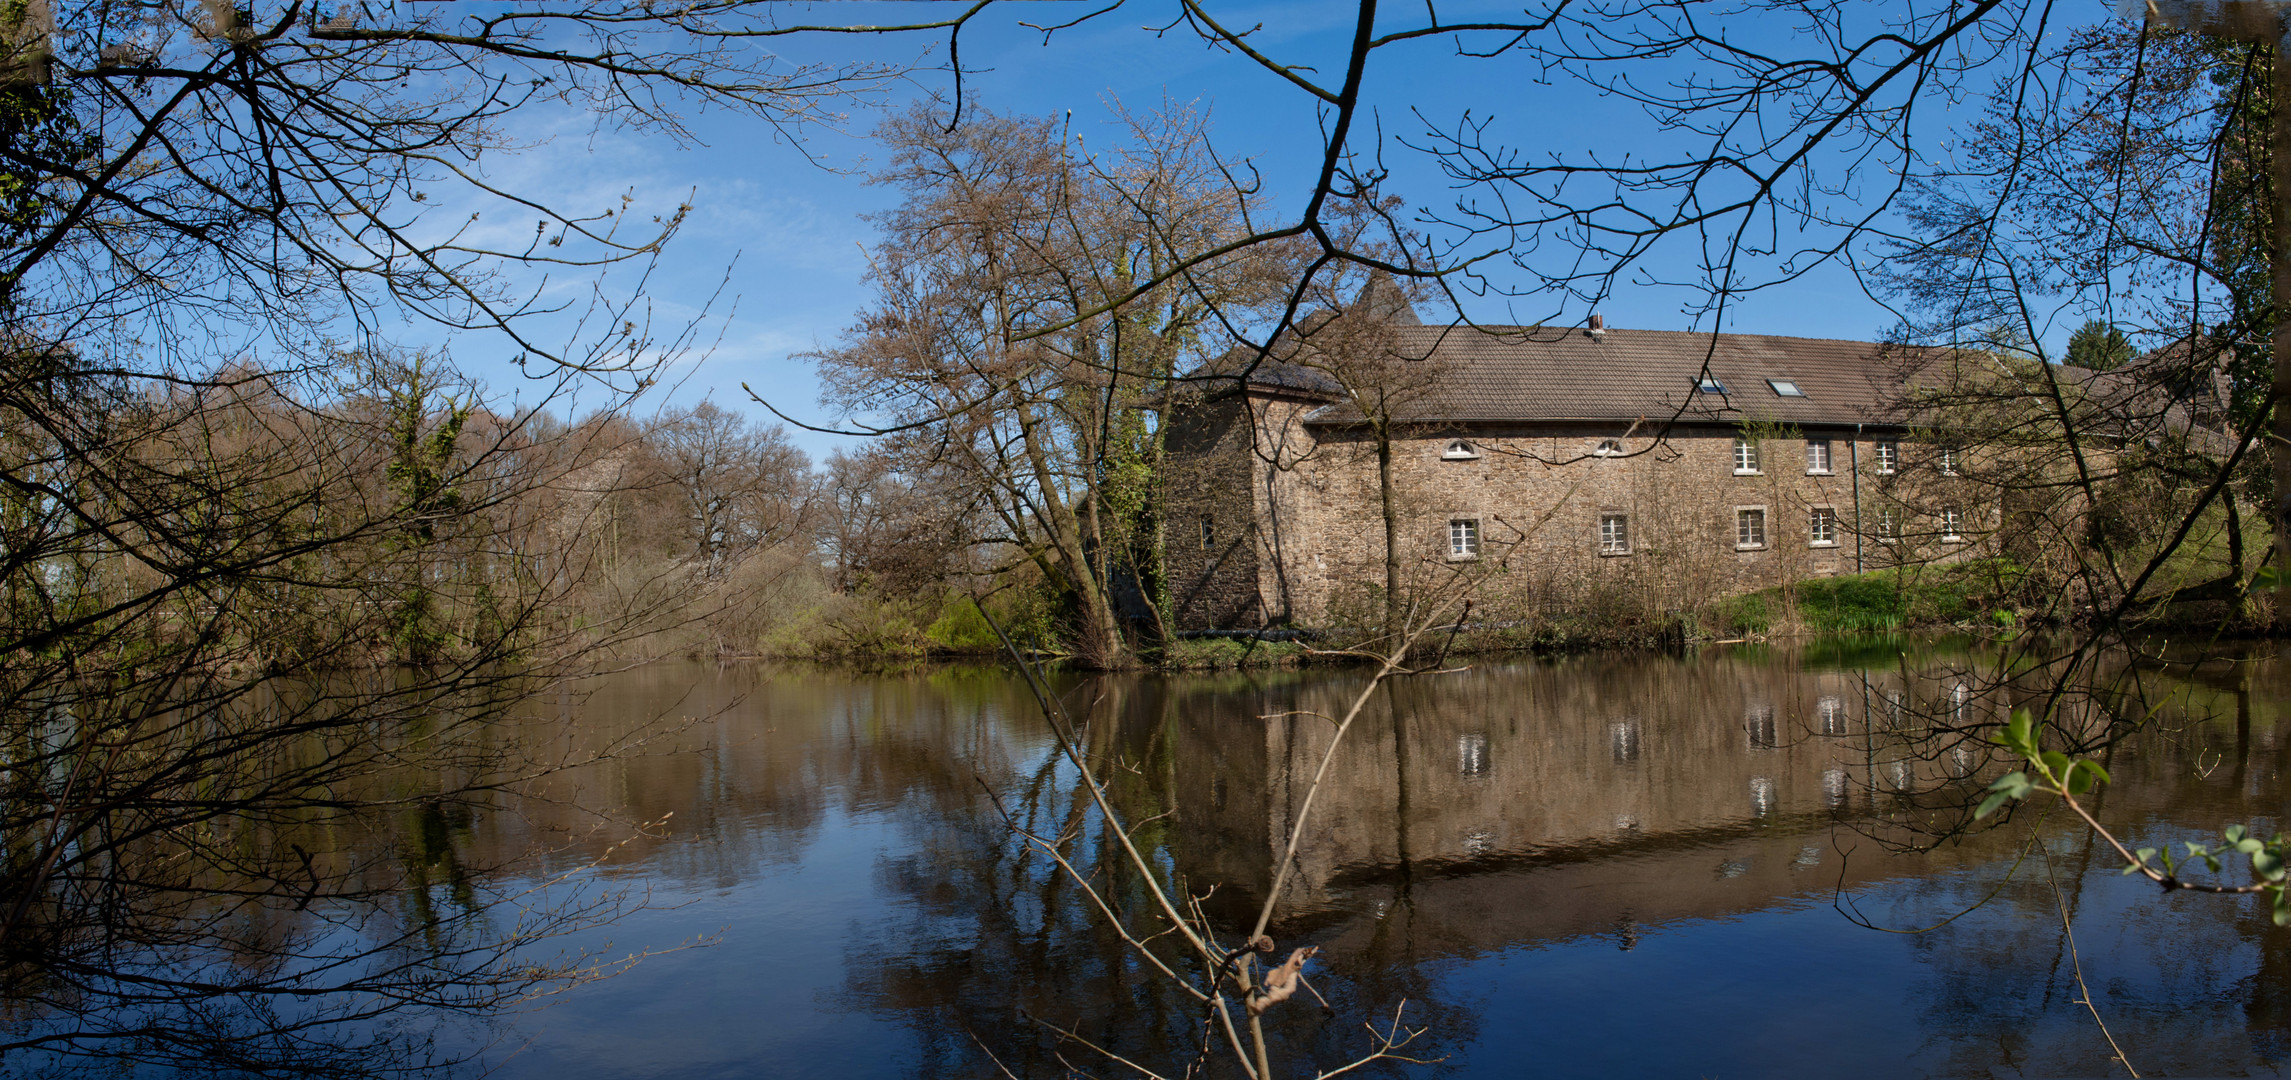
{"x":1983,"y":596}
{"x":1980,"y":594}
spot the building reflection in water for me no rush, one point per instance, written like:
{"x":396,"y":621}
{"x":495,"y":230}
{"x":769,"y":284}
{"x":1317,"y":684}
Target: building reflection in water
{"x":1830,"y":712}
{"x":1609,"y":799}
{"x":1554,"y":778}
{"x":1472,"y":754}
{"x":1837,"y":788}
{"x":1963,"y":759}
{"x":1624,"y":739}
{"x":1759,"y":720}
{"x":1762,"y":798}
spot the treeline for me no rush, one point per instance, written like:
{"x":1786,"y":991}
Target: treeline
{"x":385,"y":513}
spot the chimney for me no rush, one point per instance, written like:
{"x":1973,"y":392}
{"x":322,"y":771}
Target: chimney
{"x":1598,"y":329}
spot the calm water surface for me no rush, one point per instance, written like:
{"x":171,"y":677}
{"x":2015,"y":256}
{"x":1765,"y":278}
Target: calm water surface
{"x":1585,"y":867}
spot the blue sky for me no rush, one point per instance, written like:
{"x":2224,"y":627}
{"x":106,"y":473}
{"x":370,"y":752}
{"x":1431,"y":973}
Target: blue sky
{"x":783,"y":234}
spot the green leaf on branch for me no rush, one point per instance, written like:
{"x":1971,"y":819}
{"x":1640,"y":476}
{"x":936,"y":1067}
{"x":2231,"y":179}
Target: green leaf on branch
{"x":2007,"y":788}
{"x":2267,"y":864}
{"x":2018,"y":734}
{"x":2083,"y":774}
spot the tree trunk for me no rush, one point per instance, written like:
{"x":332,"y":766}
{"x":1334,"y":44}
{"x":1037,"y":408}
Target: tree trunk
{"x":2279,"y":401}
{"x":1099,"y":637}
{"x":1391,"y":529}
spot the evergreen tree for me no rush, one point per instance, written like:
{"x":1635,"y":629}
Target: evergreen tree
{"x":2097,"y":346}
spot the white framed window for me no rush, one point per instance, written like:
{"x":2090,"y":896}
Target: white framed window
{"x":1614,"y":533}
{"x":1709,"y":384}
{"x":1887,"y":529}
{"x":1460,"y":450}
{"x":1948,"y":461}
{"x":1951,"y":525}
{"x":1786,"y":388}
{"x":1464,"y":538}
{"x":1749,"y":528}
{"x":1745,"y":457}
{"x":1822,"y":527}
{"x":1208,"y":532}
{"x":1888,"y":456}
{"x":1609,"y":448}
{"x":1818,"y":456}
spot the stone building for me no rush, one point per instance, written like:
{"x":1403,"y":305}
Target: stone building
{"x":1569,"y":470}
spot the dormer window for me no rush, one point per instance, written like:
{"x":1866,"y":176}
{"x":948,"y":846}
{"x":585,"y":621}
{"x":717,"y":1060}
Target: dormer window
{"x":1609,"y":448}
{"x":1460,"y":450}
{"x":1785,"y":388}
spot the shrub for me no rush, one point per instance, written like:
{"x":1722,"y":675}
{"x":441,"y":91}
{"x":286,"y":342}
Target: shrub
{"x":1024,"y":613}
{"x":1215,"y":653}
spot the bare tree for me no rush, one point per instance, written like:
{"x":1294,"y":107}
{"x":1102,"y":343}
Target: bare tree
{"x":889,"y":531}
{"x":993,"y":330}
{"x":737,"y":488}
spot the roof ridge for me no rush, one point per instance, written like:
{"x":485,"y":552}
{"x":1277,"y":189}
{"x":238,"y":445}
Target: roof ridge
{"x":1565,"y":331}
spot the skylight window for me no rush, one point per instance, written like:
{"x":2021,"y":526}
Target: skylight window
{"x":1709,"y":384}
{"x":1785,"y":388}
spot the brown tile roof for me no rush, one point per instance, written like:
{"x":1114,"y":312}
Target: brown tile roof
{"x":1497,"y":374}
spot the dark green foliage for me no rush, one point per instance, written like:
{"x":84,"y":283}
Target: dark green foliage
{"x":421,"y":474}
{"x":1026,"y":614}
{"x":1740,"y":616}
{"x":36,"y":125}
{"x":2099,"y":346}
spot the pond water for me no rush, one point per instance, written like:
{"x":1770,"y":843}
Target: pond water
{"x":1704,"y":865}
{"x":1590,"y":866}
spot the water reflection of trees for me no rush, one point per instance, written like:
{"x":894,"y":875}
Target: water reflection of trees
{"x":414,"y":856}
{"x":279,"y":878}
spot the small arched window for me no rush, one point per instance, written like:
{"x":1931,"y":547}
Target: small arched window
{"x":1460,"y":450}
{"x":1609,"y":448}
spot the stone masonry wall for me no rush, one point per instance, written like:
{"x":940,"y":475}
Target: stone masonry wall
{"x":1294,"y":530}
{"x":1210,"y":535}
{"x":1536,"y":497}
